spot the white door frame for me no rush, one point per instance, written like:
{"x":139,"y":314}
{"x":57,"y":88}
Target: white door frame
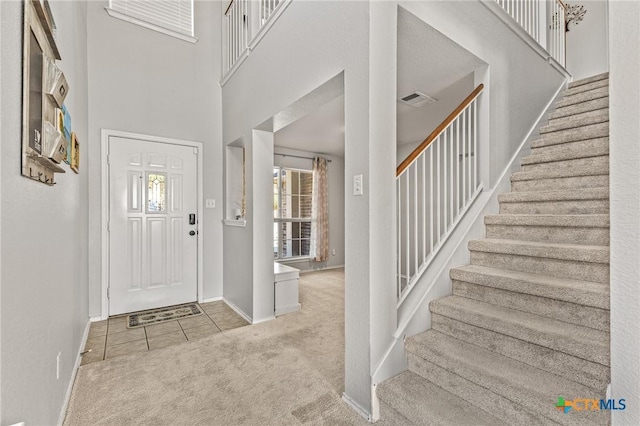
{"x":104,"y":167}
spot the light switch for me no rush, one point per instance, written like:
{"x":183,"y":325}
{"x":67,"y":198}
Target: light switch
{"x":357,"y":185}
{"x":210,"y":203}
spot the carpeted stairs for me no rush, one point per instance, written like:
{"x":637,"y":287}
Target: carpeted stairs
{"x":528,"y":320}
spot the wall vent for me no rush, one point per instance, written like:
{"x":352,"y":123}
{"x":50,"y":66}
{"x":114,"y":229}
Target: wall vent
{"x":417,"y":99}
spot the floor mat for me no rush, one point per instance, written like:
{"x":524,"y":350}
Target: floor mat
{"x":154,"y":316}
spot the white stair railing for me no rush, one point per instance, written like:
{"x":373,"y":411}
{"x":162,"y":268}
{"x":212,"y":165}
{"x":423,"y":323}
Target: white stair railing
{"x":548,"y":29}
{"x":556,"y":44}
{"x":435,"y":185}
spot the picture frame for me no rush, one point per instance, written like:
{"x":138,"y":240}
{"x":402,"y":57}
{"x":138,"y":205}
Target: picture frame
{"x":75,"y":154}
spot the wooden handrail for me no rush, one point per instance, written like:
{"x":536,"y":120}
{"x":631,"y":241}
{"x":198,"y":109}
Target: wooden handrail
{"x":229,"y":7}
{"x":416,"y":152}
{"x":564,"y":6}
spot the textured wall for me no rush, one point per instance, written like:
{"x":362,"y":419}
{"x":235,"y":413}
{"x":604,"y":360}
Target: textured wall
{"x":142,"y":81}
{"x":624,"y":95}
{"x":44,"y":238}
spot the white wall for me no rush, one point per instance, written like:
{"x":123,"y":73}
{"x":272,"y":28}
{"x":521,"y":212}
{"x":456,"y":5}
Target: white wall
{"x":336,"y":184}
{"x":422,"y":121}
{"x":290,"y":61}
{"x":587,"y":42}
{"x":624,"y":157}
{"x":44,"y":236}
{"x":142,"y":81}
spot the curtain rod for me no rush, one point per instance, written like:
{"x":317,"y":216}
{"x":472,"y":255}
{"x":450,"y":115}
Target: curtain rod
{"x":297,"y":156}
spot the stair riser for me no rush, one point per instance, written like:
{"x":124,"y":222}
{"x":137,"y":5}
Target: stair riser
{"x":576,"y":346}
{"x":583,"y":81}
{"x":586,"y":87}
{"x":571,"y":295}
{"x":595,"y":272}
{"x":557,"y":207}
{"x":479,"y":396}
{"x":390,"y":417}
{"x":598,"y":115}
{"x":580,"y":108}
{"x":583,"y":97}
{"x":575,"y":182}
{"x":576,"y":369}
{"x":572,"y":150}
{"x":601,"y":164}
{"x":551,"y":234}
{"x":572,"y":313}
{"x":593,"y":131}
{"x":573,"y":122}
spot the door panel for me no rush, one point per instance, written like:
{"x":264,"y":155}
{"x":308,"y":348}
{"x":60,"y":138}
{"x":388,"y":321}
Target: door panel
{"x":152,"y":256}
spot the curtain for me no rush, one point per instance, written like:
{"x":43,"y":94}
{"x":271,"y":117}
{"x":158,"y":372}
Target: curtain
{"x":319,"y":250}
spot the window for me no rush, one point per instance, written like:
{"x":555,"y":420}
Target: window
{"x":172,"y":17}
{"x":292,"y":190}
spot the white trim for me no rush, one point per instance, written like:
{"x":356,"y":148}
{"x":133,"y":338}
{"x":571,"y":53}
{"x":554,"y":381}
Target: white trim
{"x":211,"y":299}
{"x":96,"y":319}
{"x":105,"y":135}
{"x":140,"y":22}
{"x":232,"y":222}
{"x":356,"y":407}
{"x":287,"y":310}
{"x":74,"y":372}
{"x":328,"y":268}
{"x":235,"y":67}
{"x":238,"y":310}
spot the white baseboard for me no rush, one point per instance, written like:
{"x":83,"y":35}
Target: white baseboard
{"x":96,"y":319}
{"x":328,"y":268}
{"x":356,"y":407}
{"x":287,"y":309}
{"x":211,"y":299}
{"x":238,"y":311}
{"x":74,"y":372}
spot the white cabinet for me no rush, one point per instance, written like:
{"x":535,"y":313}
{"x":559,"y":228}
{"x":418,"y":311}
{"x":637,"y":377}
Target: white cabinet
{"x":286,"y":289}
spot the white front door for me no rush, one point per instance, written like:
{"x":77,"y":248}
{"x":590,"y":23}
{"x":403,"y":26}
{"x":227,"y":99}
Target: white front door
{"x":153,"y":230}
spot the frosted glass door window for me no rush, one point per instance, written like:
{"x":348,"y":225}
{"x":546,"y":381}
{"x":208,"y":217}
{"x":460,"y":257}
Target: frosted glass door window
{"x":156,"y":193}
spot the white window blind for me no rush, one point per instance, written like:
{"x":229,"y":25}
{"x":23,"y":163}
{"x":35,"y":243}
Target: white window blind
{"x":173,"y":15}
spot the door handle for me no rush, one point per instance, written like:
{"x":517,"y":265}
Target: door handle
{"x":192,"y":233}
{"x":192,"y":219}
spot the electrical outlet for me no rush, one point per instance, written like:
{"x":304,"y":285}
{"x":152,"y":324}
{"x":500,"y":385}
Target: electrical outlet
{"x":58,"y":365}
{"x":210,"y":203}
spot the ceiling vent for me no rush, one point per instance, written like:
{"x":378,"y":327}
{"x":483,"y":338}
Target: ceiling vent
{"x":417,"y":99}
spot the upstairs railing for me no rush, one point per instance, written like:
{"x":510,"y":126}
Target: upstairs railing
{"x":244,"y":21}
{"x":544,"y":20}
{"x":435,"y":185}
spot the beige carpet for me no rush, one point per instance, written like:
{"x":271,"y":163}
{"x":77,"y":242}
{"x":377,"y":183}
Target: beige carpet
{"x":288,"y":371}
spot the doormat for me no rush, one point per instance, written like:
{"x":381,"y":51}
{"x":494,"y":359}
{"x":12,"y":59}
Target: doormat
{"x":155,"y":316}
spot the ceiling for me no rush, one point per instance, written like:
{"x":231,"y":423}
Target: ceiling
{"x":428,"y":62}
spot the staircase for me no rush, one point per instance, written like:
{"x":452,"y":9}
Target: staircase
{"x":528,"y":320}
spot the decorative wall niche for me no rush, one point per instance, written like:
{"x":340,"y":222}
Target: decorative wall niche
{"x":235,"y":191}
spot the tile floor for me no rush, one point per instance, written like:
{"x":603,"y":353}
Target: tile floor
{"x":111,"y":338}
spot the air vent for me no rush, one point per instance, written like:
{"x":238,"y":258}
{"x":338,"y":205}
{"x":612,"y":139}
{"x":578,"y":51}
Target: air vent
{"x":417,"y":99}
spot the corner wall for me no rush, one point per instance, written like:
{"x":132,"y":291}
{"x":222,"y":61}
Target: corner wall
{"x":44,"y":236}
{"x":624,"y":157}
{"x":587,"y":42}
{"x":142,"y":81}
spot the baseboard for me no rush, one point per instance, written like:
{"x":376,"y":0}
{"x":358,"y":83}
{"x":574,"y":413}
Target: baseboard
{"x":287,"y":309}
{"x":96,"y":319}
{"x":238,"y":310}
{"x":210,"y":299}
{"x":74,"y":372}
{"x":356,"y":407}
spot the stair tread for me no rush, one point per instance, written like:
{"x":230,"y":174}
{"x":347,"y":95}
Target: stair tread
{"x":590,"y":95}
{"x":558,"y":173}
{"x":579,"y":341}
{"x":587,"y":80}
{"x":534,"y":389}
{"x":586,"y":87}
{"x":555,"y":195}
{"x":564,"y":220}
{"x":583,"y":107}
{"x":567,"y":289}
{"x":562,"y":251}
{"x":416,"y":399}
{"x":597,"y":147}
{"x":579,"y":120}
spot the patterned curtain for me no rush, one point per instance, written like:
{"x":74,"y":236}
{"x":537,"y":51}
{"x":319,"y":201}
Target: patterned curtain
{"x":319,"y":250}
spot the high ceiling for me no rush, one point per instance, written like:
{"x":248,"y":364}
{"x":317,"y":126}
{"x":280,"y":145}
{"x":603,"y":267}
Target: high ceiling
{"x":428,"y":62}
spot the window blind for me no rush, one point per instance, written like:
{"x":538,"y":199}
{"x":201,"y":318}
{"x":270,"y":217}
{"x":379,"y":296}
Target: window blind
{"x":174,"y":15}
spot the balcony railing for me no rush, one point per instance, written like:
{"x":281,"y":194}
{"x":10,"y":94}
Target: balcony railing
{"x":245,"y":22}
